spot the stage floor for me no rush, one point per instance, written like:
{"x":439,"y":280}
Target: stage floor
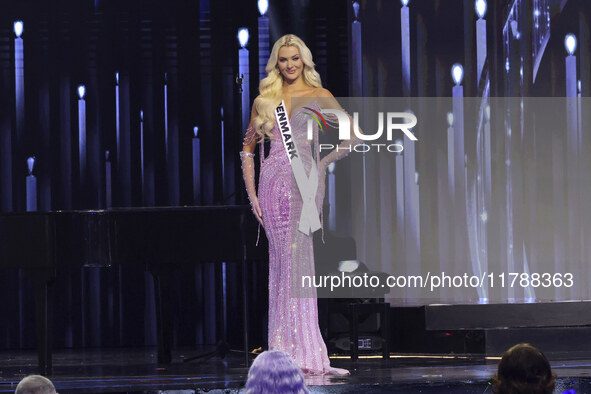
{"x":136,"y":371}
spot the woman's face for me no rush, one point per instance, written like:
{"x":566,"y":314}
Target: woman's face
{"x":290,"y":63}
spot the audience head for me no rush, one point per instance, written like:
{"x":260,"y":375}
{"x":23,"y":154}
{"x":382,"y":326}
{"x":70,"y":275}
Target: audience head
{"x":524,"y":369}
{"x":274,"y":371}
{"x":35,"y":384}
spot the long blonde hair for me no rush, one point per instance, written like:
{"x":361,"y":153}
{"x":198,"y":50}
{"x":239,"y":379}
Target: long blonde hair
{"x":271,"y":87}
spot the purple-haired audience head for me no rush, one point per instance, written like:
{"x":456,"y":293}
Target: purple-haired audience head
{"x":274,"y":371}
{"x":524,"y":369}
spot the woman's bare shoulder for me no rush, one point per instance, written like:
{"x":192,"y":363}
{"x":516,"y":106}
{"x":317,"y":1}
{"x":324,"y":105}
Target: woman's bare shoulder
{"x":326,"y":99}
{"x":322,"y":92}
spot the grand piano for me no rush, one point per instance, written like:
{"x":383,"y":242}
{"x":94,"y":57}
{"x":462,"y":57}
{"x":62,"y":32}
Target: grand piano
{"x":161,"y":238}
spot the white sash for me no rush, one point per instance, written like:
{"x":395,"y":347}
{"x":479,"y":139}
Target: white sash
{"x":309,"y":221}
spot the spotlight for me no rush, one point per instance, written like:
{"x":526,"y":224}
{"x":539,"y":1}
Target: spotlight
{"x":31,"y":164}
{"x":570,"y":43}
{"x":457,"y":73}
{"x":243,"y":36}
{"x":263,"y":7}
{"x":18,"y":28}
{"x":480,"y":7}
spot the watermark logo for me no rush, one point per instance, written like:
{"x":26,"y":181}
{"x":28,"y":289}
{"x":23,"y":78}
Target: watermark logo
{"x":391,"y":124}
{"x":317,"y":116}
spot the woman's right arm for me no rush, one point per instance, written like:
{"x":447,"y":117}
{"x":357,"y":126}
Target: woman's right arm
{"x":248,"y":170}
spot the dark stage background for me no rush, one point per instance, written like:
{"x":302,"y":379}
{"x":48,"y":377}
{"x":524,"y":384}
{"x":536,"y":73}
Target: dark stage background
{"x":191,"y":47}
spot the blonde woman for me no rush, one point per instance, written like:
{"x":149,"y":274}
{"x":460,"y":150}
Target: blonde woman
{"x":287,"y":217}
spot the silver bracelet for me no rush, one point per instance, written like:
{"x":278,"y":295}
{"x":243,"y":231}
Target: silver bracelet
{"x":245,"y":153}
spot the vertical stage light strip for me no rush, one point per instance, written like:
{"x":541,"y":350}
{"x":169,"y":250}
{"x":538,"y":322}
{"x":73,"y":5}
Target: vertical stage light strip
{"x":171,"y":135}
{"x":450,"y":154}
{"x":124,"y":151}
{"x":487,"y":163}
{"x":487,"y":201}
{"x":479,"y":259}
{"x":228,"y":182}
{"x":264,"y":38}
{"x":356,"y":54}
{"x":243,"y":72}
{"x":19,"y":80}
{"x":459,"y":191}
{"x":196,"y":168}
{"x":108,"y":182}
{"x":82,"y":134}
{"x":405,"y":37}
{"x":166,"y":152}
{"x":117,"y":120}
{"x":142,"y":158}
{"x":480,"y":7}
{"x":358,"y":165}
{"x":580,"y":121}
{"x":6,"y":141}
{"x":332,"y":198}
{"x":412,"y":222}
{"x":584,"y":177}
{"x":572,"y":158}
{"x":400,"y":200}
{"x":31,"y":186}
{"x":445,"y":206}
{"x":224,"y":180}
{"x":169,"y":155}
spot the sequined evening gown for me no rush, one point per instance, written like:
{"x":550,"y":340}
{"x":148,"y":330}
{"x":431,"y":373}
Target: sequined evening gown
{"x":293,"y":319}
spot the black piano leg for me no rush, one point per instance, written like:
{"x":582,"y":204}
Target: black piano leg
{"x":162,"y":292}
{"x":43,"y":285}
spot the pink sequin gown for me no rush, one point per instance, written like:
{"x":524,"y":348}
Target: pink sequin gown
{"x":293,"y":319}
